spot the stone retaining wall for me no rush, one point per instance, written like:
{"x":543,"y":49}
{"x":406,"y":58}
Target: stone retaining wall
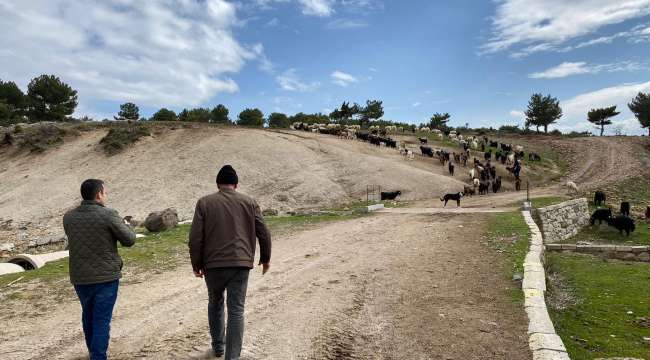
{"x":543,"y":341}
{"x":561,"y":221}
{"x":629,"y":253}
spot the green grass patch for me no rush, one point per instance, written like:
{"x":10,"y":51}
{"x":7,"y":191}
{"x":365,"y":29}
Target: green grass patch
{"x":52,"y":271}
{"x":541,"y":202}
{"x":508,"y":233}
{"x":38,"y":138}
{"x":609,"y":314}
{"x":636,"y":190}
{"x":604,"y":234}
{"x":119,"y":138}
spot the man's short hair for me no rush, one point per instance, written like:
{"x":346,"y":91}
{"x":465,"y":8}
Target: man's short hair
{"x":90,"y":188}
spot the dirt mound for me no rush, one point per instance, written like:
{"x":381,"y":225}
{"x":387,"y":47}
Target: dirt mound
{"x":601,"y":161}
{"x":284,"y":170}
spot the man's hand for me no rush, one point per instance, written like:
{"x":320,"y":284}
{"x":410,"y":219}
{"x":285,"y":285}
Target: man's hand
{"x":198,"y":273}
{"x":265,"y":267}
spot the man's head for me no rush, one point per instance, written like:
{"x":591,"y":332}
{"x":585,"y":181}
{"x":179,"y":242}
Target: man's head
{"x":227,"y":178}
{"x":94,"y":189}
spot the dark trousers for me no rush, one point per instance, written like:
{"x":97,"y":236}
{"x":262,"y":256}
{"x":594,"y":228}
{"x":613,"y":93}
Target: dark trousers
{"x":97,"y":302}
{"x":234,"y":281}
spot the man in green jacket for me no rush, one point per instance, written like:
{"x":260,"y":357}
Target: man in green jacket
{"x":95,"y":266}
{"x":222,"y":247}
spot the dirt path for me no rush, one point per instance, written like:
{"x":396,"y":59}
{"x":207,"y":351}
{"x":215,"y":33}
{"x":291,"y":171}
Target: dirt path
{"x":599,"y":161}
{"x":388,"y":286}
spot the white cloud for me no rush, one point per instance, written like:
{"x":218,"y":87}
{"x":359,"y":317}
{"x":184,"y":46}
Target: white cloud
{"x":373,"y":69}
{"x":342,"y":79}
{"x":273,"y":22}
{"x":416,"y":104}
{"x":322,"y":8}
{"x":290,"y":81}
{"x":346,"y":24}
{"x":575,"y":109}
{"x":575,"y":68}
{"x":542,"y":25}
{"x":153,"y":53}
{"x":517,"y":114}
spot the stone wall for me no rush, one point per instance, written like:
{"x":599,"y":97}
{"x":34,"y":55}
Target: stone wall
{"x":561,"y":221}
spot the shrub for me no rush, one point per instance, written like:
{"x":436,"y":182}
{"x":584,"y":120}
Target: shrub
{"x":39,"y":138}
{"x":512,"y":129}
{"x":119,"y":138}
{"x":251,"y":117}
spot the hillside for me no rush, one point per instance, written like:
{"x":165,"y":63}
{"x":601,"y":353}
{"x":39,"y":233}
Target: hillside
{"x":173,"y":168}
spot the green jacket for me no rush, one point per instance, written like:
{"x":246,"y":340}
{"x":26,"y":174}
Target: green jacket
{"x":93,"y":232}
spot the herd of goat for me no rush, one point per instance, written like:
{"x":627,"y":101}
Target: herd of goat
{"x":483,"y":176}
{"x":622,"y":222}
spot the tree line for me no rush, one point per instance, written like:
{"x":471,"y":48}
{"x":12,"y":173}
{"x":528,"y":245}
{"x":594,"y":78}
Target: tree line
{"x":50,"y":99}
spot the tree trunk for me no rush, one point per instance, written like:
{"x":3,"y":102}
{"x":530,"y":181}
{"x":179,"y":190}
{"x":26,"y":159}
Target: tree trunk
{"x":602,"y":129}
{"x":537,"y":128}
{"x":545,"y":129}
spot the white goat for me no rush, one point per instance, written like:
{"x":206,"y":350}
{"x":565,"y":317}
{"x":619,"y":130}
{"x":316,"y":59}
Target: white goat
{"x":571,"y":186}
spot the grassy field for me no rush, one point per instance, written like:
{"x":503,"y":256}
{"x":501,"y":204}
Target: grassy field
{"x":603,"y":234}
{"x":600,"y":308}
{"x":166,"y":250}
{"x":547,"y":201}
{"x":509,"y":234}
{"x":636,"y":190}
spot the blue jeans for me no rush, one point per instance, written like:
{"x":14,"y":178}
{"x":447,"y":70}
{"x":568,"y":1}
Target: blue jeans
{"x":97,"y":301}
{"x":234,"y":281}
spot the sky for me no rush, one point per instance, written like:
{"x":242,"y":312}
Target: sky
{"x":480,"y":61}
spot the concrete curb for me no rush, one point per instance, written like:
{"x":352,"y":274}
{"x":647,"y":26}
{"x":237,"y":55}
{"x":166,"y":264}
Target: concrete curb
{"x":543,"y":341}
{"x":375,"y":207}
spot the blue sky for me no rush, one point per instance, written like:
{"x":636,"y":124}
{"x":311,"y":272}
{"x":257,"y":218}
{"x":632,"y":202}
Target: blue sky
{"x":478,"y":60}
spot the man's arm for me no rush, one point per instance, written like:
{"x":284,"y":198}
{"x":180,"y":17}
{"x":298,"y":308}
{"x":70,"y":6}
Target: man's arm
{"x":263,"y":236}
{"x":196,"y":239}
{"x":123,"y":233}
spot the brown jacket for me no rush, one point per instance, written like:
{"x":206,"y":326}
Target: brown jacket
{"x":223,"y":232}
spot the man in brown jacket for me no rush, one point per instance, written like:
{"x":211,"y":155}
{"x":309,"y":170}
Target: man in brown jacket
{"x":222,"y":247}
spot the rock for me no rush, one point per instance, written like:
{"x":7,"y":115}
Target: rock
{"x":161,"y":220}
{"x":517,"y":277}
{"x":55,"y":239}
{"x":7,"y":247}
{"x":282,"y":197}
{"x":270,"y":212}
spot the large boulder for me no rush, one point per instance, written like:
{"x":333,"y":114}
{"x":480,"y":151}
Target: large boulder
{"x":161,"y":220}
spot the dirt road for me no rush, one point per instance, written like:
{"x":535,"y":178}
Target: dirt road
{"x":388,"y":286}
{"x":598,"y":161}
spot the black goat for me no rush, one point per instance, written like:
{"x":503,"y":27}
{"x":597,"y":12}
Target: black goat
{"x":625,"y":208}
{"x":426,"y":151}
{"x":534,"y":157}
{"x":622,"y":223}
{"x":599,"y":198}
{"x":390,"y":195}
{"x":600,"y":215}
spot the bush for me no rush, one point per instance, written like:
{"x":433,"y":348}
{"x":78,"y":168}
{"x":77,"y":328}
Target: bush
{"x":251,"y":117}
{"x":574,"y":134}
{"x":511,"y":129}
{"x":118,"y":139}
{"x":41,"y":137}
